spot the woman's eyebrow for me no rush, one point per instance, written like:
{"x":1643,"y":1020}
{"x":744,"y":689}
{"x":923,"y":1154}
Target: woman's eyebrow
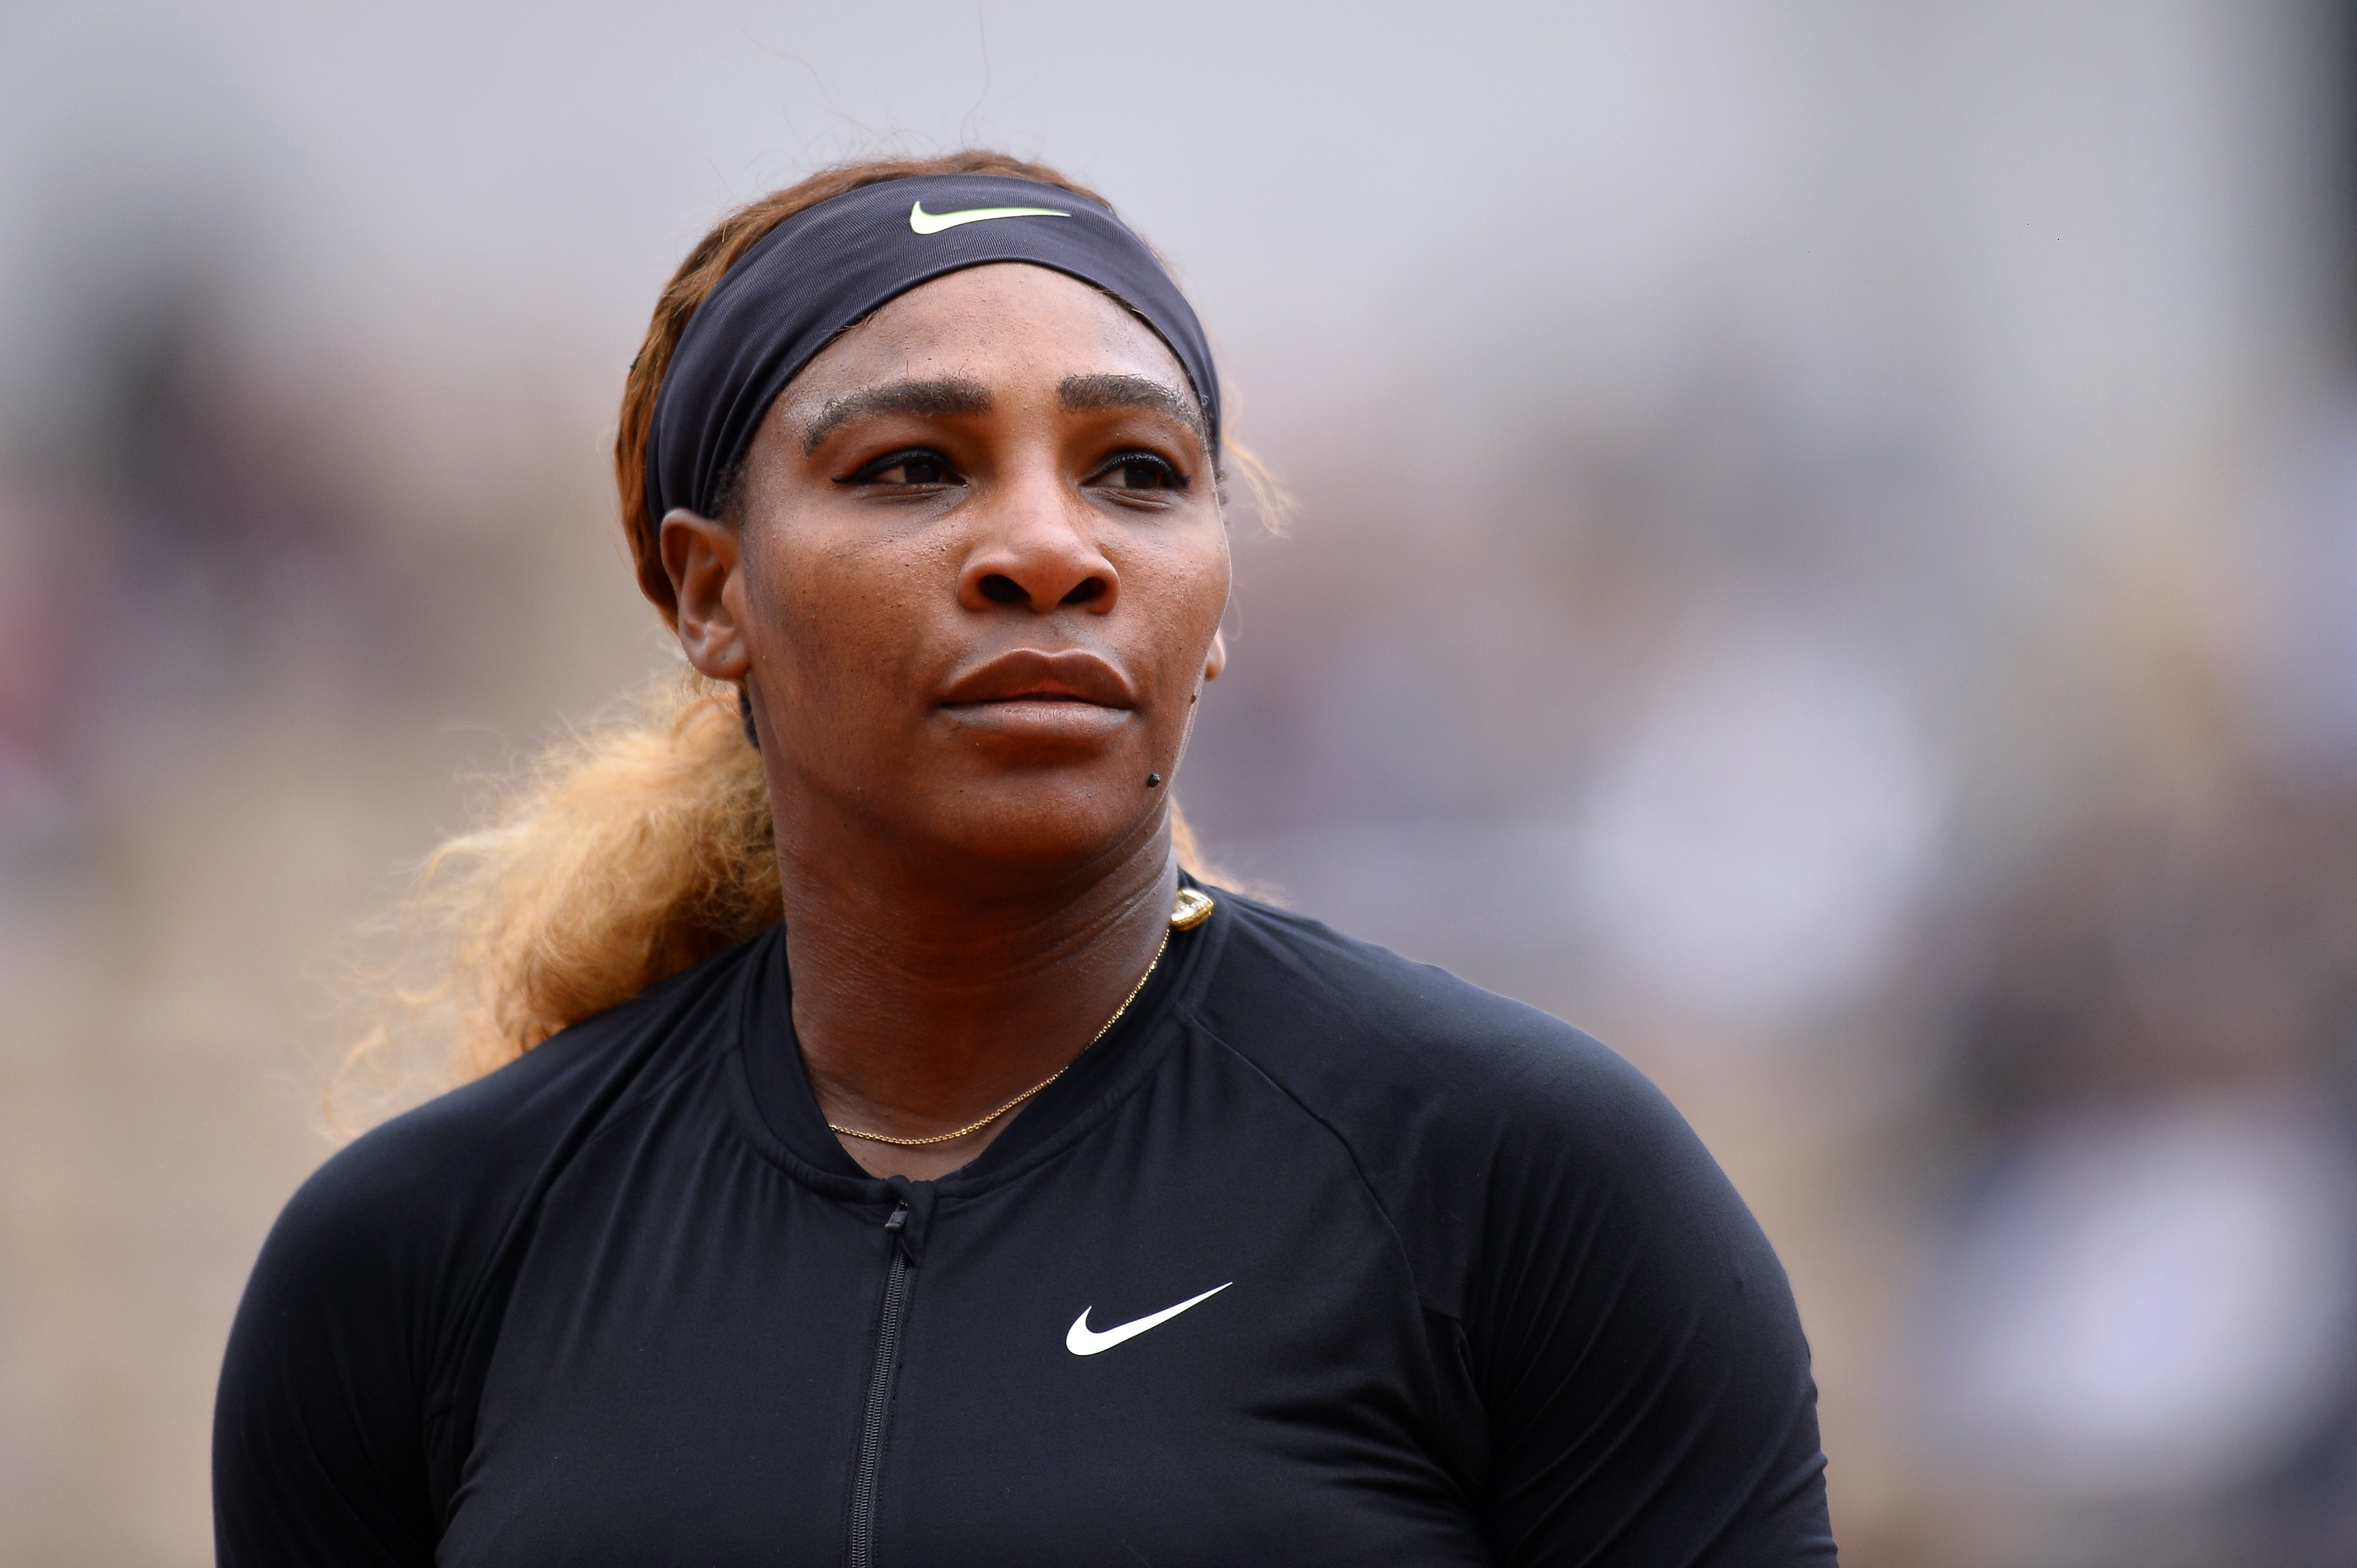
{"x":1080,"y":392}
{"x":939,"y":396}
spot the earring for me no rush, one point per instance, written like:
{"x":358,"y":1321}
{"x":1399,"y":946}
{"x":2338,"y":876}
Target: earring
{"x":745,"y":712}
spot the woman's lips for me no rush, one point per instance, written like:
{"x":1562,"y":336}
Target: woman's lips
{"x":1075,"y":674}
{"x":1032,"y":694}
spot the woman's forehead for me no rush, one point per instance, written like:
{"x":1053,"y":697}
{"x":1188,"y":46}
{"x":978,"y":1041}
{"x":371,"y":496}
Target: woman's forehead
{"x":1003,"y":325}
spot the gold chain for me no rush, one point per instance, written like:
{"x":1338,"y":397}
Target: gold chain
{"x":1191,"y":910}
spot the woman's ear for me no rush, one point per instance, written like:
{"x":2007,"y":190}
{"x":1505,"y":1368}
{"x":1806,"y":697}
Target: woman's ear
{"x":702,"y":557}
{"x":1217,"y":659}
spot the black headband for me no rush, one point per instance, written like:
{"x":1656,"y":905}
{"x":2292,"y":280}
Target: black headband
{"x":830,"y":266}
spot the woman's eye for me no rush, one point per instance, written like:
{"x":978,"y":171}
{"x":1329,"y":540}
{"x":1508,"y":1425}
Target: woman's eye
{"x":1139,"y":471}
{"x":916,"y":470}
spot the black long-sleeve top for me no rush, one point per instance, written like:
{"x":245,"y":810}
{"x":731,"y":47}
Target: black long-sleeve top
{"x":1319,"y":1256}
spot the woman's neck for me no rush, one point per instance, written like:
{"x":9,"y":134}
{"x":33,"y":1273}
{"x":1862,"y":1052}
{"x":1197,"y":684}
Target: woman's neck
{"x":926,"y":996}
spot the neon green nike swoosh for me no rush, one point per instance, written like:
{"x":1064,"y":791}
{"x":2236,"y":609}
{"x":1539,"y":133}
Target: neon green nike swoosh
{"x":925,"y":222}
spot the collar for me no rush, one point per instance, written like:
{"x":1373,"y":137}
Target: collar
{"x":781,"y":1114}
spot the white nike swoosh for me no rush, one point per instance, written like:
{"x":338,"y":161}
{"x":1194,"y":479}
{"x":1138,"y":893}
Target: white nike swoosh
{"x":925,"y":222}
{"x":1085,"y":1341}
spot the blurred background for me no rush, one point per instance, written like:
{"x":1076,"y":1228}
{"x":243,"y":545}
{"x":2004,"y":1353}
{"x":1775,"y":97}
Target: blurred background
{"x":1827,"y":555}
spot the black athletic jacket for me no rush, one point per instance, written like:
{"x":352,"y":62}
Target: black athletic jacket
{"x":1319,"y":1256}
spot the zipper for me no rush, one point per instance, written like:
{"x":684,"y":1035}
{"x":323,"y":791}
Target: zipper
{"x":860,"y":1548}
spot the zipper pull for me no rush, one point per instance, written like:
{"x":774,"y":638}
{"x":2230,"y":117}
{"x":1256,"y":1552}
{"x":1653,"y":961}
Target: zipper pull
{"x":898,"y":1228}
{"x":912,"y":1206}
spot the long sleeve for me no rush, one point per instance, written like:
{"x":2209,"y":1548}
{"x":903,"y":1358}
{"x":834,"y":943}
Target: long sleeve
{"x":320,"y":1449}
{"x":1639,"y":1351}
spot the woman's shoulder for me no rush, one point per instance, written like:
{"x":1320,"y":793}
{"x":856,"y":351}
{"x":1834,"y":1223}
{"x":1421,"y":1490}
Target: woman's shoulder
{"x":438,"y":1181}
{"x":1466,"y":1113}
{"x":1356,"y":1018}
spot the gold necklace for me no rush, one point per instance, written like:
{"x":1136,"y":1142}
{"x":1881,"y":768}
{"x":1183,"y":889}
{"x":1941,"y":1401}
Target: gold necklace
{"x":1188,"y":910}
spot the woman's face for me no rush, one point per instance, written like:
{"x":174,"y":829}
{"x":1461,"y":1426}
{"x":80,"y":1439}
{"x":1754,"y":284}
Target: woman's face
{"x":976,"y":576}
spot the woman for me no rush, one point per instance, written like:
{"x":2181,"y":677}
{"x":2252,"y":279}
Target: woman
{"x":902,"y":1161}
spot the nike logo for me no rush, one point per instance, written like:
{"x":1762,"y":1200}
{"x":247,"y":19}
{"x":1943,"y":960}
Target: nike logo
{"x":925,"y":222}
{"x":1085,"y":1341}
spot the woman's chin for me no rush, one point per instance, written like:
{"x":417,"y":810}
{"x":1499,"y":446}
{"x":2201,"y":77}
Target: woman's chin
{"x":1049,"y":817}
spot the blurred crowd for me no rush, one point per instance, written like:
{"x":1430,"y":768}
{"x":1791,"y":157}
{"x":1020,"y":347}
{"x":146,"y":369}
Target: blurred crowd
{"x":1909,"y":707}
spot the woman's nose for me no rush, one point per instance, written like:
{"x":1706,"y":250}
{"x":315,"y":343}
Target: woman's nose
{"x":1038,"y":554}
